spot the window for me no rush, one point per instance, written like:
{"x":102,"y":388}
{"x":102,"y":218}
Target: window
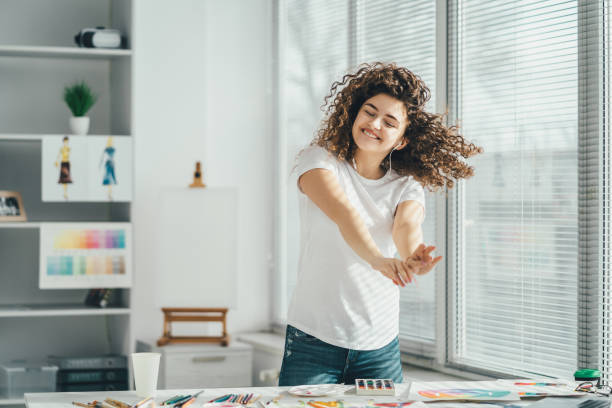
{"x":521,"y":225}
{"x":526,"y":290}
{"x":319,"y":41}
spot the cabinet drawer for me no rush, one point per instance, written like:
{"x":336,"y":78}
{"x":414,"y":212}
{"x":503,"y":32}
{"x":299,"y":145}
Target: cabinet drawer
{"x":195,"y":370}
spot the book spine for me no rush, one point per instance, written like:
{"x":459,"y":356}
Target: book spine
{"x":92,"y":376}
{"x":69,"y":363}
{"x":116,"y":386}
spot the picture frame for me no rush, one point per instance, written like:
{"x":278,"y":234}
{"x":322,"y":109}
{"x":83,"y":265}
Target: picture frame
{"x":11,"y":206}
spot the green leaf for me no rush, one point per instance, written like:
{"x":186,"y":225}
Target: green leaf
{"x":79,"y":98}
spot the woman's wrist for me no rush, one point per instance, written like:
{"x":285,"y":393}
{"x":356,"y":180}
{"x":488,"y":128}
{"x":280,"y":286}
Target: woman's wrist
{"x":375,"y":260}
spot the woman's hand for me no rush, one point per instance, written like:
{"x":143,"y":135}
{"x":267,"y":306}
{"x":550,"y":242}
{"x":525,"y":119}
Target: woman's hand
{"x":398,"y":271}
{"x":421,"y":261}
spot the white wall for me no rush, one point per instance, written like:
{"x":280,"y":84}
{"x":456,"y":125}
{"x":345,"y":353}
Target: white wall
{"x":202,"y":92}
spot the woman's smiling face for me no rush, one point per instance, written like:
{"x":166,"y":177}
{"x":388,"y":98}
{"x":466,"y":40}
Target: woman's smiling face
{"x":380,"y":124}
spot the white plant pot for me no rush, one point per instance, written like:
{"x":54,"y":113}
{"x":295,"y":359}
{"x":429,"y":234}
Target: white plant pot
{"x":79,"y":125}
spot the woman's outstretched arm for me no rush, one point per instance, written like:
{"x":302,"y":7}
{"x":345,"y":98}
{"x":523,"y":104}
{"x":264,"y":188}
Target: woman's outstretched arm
{"x":408,"y":238}
{"x":322,"y":187}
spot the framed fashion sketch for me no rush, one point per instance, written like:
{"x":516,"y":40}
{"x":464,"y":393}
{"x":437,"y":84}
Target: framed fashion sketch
{"x":85,"y":255}
{"x":11,"y":207}
{"x":86,"y":168}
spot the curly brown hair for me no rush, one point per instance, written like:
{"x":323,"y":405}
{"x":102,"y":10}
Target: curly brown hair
{"x":434,"y":153}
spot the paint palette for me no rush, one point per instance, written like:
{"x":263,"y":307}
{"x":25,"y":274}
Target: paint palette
{"x":374,"y":386}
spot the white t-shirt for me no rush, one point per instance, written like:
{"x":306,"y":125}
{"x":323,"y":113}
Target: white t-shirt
{"x":339,"y":298}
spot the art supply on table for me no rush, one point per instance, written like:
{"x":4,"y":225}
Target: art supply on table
{"x":117,"y":403}
{"x":188,"y":401}
{"x":321,"y":390}
{"x":174,"y":399}
{"x":540,"y":384}
{"x":236,"y":399}
{"x":109,"y":403}
{"x":143,"y":403}
{"x":374,"y":386}
{"x":589,"y":375}
{"x":221,"y":405}
{"x":560,"y":402}
{"x":462,"y":390}
{"x":527,"y":388}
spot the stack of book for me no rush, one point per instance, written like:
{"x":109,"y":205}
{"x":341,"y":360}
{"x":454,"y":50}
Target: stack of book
{"x":97,"y":373}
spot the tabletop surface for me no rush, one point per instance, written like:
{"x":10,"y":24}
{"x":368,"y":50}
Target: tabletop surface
{"x":347,"y":394}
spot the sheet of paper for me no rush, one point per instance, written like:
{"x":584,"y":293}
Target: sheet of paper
{"x":461,"y":390}
{"x":541,"y":387}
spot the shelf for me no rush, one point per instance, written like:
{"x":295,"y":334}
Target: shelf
{"x":36,"y":225}
{"x":13,"y":401}
{"x":23,"y":224}
{"x":62,"y":52}
{"x":59,"y":310}
{"x":35,"y":137}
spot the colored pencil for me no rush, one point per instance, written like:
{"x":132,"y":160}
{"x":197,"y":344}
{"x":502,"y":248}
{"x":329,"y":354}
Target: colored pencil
{"x":538,"y":383}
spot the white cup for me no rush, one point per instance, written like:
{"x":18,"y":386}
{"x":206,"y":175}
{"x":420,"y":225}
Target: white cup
{"x":146,"y":368}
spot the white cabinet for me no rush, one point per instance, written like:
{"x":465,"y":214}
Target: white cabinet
{"x":203,"y":365}
{"x":38,"y":58}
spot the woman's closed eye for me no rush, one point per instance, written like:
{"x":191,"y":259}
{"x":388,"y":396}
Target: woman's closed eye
{"x":372,"y":114}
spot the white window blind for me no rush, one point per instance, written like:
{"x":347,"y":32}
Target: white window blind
{"x":313,"y":52}
{"x":520,"y":70}
{"x":319,"y":41}
{"x":405,"y":33}
{"x":601,"y":50}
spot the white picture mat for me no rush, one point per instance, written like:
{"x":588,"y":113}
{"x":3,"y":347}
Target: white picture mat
{"x":47,"y":233}
{"x":86,"y":169}
{"x":197,"y":243}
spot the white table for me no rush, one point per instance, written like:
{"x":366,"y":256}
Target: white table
{"x":65,"y":399}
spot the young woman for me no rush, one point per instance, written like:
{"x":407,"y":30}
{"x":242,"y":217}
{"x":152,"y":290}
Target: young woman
{"x":361,"y":185}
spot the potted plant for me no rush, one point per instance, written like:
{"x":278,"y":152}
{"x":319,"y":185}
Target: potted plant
{"x":79,"y":99}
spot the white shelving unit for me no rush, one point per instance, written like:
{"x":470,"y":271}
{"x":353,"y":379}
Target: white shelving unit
{"x":60,"y":310}
{"x":61,"y":52}
{"x":37,"y":60}
{"x":13,"y":401}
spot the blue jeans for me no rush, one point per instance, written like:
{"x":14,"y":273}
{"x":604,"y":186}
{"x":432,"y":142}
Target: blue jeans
{"x":308,"y":360}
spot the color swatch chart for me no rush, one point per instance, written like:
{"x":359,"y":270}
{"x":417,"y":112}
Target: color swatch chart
{"x":90,"y":239}
{"x":85,"y":255}
{"x":85,"y":265}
